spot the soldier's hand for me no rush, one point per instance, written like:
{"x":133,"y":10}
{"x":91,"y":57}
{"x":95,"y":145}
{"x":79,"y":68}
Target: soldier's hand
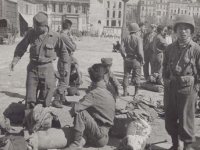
{"x":11,"y":66}
{"x":142,"y":63}
{"x":196,"y":87}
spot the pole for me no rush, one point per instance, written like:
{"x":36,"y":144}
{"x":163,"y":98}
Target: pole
{"x":123,"y":34}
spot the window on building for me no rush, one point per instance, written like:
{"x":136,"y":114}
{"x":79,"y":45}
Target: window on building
{"x":119,"y":23}
{"x":69,"y":9}
{"x":114,"y":4}
{"x":108,"y":13}
{"x":84,"y":9}
{"x":44,"y":7}
{"x":120,"y":5}
{"x":181,"y":11}
{"x":107,"y":22}
{"x":159,"y":13}
{"x":53,"y":7}
{"x":175,"y":11}
{"x":108,"y":5}
{"x":119,"y":14}
{"x":142,"y":8}
{"x":76,"y":9}
{"x":60,"y":7}
{"x":163,"y":13}
{"x":113,"y":14}
{"x":171,"y":10}
{"x":26,"y":8}
{"x":185,"y":11}
{"x":142,"y":2}
{"x":113,"y":23}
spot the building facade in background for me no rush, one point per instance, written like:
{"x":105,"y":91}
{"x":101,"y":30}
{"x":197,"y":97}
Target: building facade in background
{"x":167,"y":9}
{"x":76,"y":10}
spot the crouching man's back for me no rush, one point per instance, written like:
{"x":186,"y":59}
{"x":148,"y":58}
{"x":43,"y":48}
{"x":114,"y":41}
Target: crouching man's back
{"x":94,"y":114}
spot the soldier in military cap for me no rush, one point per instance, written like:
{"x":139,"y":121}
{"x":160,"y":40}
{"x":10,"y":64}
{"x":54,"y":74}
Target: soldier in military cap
{"x":181,"y":70}
{"x":132,"y":53}
{"x":44,"y":45}
{"x":63,"y":85}
{"x":110,"y":79}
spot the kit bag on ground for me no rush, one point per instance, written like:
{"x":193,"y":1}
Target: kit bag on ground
{"x":15,"y":113}
{"x":39,"y":118}
{"x":50,"y":139}
{"x":13,"y":143}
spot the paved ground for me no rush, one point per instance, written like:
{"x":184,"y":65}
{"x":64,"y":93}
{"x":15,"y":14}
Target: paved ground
{"x":90,"y":51}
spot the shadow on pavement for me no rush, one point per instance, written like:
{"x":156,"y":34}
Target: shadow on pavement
{"x":11,"y":94}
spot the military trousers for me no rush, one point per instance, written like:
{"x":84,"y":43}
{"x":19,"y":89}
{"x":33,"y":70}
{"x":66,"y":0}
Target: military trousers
{"x":63,"y":82}
{"x":147,"y":59}
{"x":94,"y":131}
{"x":179,"y":104}
{"x":156,"y":63}
{"x":40,"y":83}
{"x":132,"y":65}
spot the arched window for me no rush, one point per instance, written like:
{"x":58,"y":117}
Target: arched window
{"x":69,"y":9}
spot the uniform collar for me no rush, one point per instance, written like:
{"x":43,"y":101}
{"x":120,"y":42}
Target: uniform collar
{"x":101,"y":84}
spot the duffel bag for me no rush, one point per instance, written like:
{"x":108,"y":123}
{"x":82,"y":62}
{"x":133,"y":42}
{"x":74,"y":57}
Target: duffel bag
{"x":152,"y":87}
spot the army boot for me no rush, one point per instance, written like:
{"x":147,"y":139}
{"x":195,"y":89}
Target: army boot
{"x":64,"y":100}
{"x":187,"y":146}
{"x":57,"y":101}
{"x":136,"y":91}
{"x":175,"y":141}
{"x":125,"y":91}
{"x":77,"y":144}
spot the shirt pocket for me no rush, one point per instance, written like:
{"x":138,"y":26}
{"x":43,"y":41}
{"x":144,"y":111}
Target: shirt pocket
{"x":49,"y":50}
{"x":185,"y":84}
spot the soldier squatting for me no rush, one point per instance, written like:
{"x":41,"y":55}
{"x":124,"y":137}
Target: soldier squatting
{"x":177,"y":60}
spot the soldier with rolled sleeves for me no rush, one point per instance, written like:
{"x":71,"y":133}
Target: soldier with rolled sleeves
{"x":132,"y":52}
{"x":63,"y":85}
{"x":181,"y":70}
{"x":94,"y":114}
{"x":110,"y":79}
{"x":44,"y":45}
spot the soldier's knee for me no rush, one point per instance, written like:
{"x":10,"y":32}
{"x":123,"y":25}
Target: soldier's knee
{"x":102,"y":142}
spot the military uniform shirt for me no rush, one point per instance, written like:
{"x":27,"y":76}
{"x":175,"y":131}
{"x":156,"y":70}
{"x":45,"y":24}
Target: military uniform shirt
{"x":43,"y":48}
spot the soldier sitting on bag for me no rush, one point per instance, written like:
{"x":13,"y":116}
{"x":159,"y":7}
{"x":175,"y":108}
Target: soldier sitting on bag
{"x":112,"y":83}
{"x":94,"y":114}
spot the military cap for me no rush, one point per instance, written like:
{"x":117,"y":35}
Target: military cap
{"x":40,"y":19}
{"x":106,"y":61}
{"x":134,"y":27}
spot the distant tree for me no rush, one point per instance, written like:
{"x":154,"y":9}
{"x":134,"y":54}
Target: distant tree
{"x":166,"y":21}
{"x":150,"y":19}
{"x":132,"y":16}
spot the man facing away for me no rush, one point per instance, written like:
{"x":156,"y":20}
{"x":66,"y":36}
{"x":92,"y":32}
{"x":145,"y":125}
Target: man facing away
{"x":132,"y":53}
{"x":181,"y":71}
{"x":44,"y":45}
{"x":94,"y":114}
{"x":63,"y":85}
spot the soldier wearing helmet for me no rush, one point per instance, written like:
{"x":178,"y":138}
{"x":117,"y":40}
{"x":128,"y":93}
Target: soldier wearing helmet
{"x":181,"y":70}
{"x":44,"y":46}
{"x":64,"y":80}
{"x":132,"y":53}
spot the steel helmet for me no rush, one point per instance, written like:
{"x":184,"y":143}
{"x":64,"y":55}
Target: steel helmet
{"x":185,"y":19}
{"x":134,"y":27}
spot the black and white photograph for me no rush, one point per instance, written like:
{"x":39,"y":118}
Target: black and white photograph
{"x":99,"y":74}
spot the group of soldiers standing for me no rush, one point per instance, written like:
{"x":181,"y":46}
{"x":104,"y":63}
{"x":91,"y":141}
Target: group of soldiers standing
{"x":177,"y":61}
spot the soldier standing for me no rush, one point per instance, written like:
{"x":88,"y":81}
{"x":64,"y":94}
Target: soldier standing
{"x":63,"y":85}
{"x":132,"y":52}
{"x":181,"y":70}
{"x":148,"y":49}
{"x":44,"y":45}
